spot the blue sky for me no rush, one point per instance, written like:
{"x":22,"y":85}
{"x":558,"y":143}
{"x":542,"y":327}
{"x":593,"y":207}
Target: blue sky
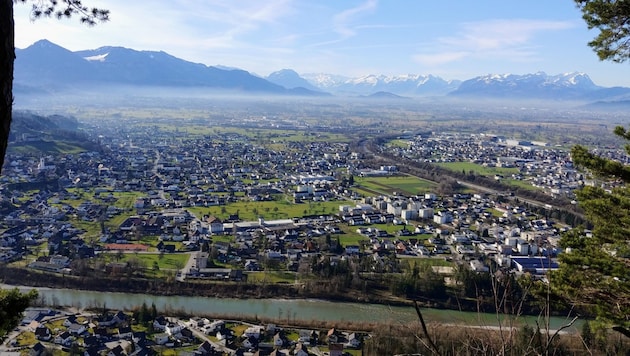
{"x":454,"y":39}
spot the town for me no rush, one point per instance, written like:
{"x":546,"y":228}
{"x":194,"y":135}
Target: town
{"x":237,"y":204}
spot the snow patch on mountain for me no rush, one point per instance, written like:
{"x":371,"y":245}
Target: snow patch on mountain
{"x":97,"y":58}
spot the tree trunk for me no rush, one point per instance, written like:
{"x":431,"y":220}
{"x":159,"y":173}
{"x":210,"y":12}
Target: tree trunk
{"x":7,"y":58}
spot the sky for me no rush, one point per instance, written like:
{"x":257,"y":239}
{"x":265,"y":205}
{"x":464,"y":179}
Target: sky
{"x":453,"y":39}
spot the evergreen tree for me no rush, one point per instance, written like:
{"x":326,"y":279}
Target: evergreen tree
{"x":593,"y":273}
{"x":12,"y":305}
{"x":611,"y":18}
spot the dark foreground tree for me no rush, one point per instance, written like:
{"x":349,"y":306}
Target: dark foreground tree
{"x":594,"y":273}
{"x":12,"y":305}
{"x":47,"y":8}
{"x":612,"y":18}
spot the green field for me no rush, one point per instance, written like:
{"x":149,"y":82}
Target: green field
{"x":477,"y":169}
{"x":480,"y":170}
{"x":407,"y":185}
{"x":277,"y":209}
{"x":169,"y":261}
{"x":398,"y":143}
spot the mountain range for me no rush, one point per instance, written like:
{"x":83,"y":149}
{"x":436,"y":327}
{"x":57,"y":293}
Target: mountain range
{"x":46,"y":67}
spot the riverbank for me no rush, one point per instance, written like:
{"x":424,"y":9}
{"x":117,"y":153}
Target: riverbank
{"x":234,"y":290}
{"x":242,"y":290}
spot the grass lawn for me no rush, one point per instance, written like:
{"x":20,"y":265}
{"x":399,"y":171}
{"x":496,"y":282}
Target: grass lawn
{"x":126,"y":200}
{"x":519,"y":184}
{"x":364,"y":192}
{"x":222,"y":238}
{"x":293,"y":336}
{"x":115,"y":221}
{"x":92,"y":228}
{"x":166,"y":261}
{"x":351,"y":239}
{"x":495,"y":212}
{"x":26,"y":338}
{"x":270,"y":210}
{"x":239,"y":329}
{"x":395,"y":184}
{"x":477,"y":169}
{"x":398,"y":143}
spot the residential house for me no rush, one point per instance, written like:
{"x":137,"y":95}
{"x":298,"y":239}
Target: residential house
{"x":38,"y":350}
{"x":205,"y":349}
{"x":76,"y":329}
{"x":354,"y":341}
{"x":42,"y":333}
{"x":300,"y":350}
{"x":160,"y":323}
{"x":161,"y":338}
{"x":306,"y":336}
{"x":352,"y":249}
{"x":71,"y":319}
{"x":250,"y":342}
{"x":173,"y":328}
{"x":64,"y":338}
{"x":125,"y":332}
{"x":253,"y":331}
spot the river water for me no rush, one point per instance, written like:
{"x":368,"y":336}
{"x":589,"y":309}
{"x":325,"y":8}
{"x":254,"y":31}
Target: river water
{"x":284,"y":309}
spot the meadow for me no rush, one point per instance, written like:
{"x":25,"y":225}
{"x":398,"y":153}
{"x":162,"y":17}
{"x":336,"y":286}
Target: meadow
{"x":478,"y":169}
{"x":391,"y":185}
{"x":276,"y":209}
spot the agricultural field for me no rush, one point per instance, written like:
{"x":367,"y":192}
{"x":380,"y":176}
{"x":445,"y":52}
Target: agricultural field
{"x":477,"y":169}
{"x":406,"y":185}
{"x":277,"y":209}
{"x":165,"y":261}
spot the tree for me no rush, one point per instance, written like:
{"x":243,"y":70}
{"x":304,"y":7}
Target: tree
{"x":612,"y":18}
{"x":12,"y":305}
{"x":40,"y":8}
{"x":593,"y":273}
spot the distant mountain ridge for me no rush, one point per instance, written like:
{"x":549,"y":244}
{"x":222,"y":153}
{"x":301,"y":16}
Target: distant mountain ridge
{"x":409,"y":84}
{"x":46,"y":67}
{"x":45,"y":64}
{"x":538,"y":85}
{"x":289,"y":79}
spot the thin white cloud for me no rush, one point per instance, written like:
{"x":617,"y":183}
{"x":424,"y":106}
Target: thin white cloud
{"x":342,"y":20}
{"x":506,"y":39}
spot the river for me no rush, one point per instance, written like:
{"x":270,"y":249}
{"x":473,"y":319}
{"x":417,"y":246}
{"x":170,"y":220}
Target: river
{"x":284,"y":309}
